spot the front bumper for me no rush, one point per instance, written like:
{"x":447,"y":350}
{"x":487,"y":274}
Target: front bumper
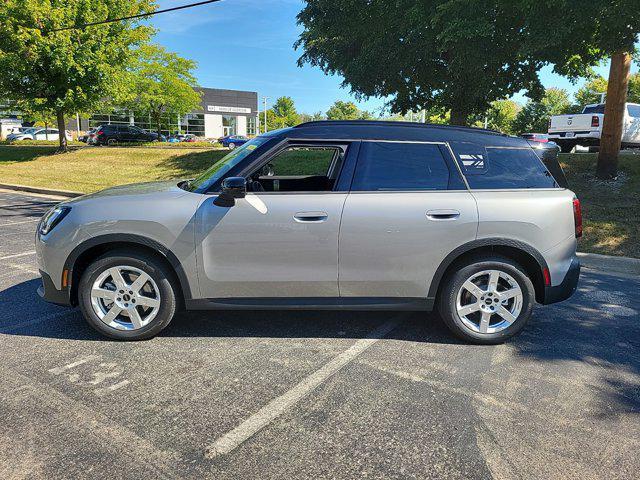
{"x":50,"y":293}
{"x":558,"y":293}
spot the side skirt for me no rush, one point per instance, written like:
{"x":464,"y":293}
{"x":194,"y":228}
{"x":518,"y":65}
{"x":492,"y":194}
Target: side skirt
{"x":312,"y":303}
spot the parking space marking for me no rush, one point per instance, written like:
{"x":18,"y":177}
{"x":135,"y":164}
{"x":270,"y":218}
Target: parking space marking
{"x":267,"y":414}
{"x":19,"y":223}
{"x":17,"y":255}
{"x":102,"y":391}
{"x":69,"y":366}
{"x":24,"y":269}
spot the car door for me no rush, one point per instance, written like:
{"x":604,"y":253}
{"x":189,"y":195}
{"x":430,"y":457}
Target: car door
{"x":407,"y":209}
{"x":40,"y":134}
{"x":281,"y":240}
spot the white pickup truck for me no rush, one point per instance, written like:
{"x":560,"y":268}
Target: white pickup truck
{"x":585,"y":128}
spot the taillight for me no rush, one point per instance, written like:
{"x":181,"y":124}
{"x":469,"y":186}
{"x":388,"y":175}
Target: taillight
{"x":577,"y":217}
{"x":595,"y":121}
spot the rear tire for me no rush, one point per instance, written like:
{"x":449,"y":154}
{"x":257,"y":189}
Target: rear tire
{"x":491,"y":315}
{"x":118,"y":307}
{"x":566,"y":147}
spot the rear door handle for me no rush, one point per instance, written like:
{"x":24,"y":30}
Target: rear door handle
{"x":443,"y":215}
{"x":310,"y":217}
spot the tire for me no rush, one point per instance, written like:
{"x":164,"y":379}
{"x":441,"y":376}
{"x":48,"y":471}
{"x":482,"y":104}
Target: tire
{"x":156,"y":299}
{"x":232,"y":146}
{"x":111,"y":142}
{"x":566,"y":147}
{"x":455,"y":294}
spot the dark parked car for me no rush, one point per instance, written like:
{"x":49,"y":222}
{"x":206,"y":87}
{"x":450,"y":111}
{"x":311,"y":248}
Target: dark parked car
{"x":233,"y":141}
{"x":112,"y":134}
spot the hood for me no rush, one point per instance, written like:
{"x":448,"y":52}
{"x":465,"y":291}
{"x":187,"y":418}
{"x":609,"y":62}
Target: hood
{"x":141,"y":190}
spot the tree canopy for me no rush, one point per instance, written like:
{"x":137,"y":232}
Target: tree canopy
{"x":159,"y":82}
{"x":456,"y":55}
{"x":589,"y":92}
{"x":346,"y":111}
{"x":66,"y":71}
{"x":282,"y":114}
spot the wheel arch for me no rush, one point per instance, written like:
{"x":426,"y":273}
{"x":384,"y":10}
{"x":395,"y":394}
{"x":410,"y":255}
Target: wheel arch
{"x":527,"y":256}
{"x":82,"y":256}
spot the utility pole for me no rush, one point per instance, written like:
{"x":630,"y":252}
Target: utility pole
{"x":611,"y":138}
{"x":264,"y":108}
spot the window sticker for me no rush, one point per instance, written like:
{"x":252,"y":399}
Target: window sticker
{"x":472,"y":161}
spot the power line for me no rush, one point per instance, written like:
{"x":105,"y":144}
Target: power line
{"x":131,"y":17}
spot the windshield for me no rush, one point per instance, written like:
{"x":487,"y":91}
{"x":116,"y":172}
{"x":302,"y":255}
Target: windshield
{"x":226,"y":163}
{"x":30,"y":130}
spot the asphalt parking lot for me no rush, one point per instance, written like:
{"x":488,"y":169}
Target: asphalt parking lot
{"x":313,"y":394}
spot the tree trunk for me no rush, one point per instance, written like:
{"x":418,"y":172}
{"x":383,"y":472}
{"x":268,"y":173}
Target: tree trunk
{"x":458,"y":116}
{"x":611,"y":138}
{"x":62,"y":132}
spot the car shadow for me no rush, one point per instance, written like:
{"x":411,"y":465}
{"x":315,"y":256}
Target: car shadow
{"x":600,"y":333}
{"x":42,"y":319}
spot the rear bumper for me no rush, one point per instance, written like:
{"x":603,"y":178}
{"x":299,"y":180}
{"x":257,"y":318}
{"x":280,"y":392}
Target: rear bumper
{"x":50,"y":293}
{"x":568,"y":286}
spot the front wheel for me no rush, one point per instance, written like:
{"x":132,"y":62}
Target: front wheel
{"x":487,"y":301}
{"x":127,"y":296}
{"x":232,"y":146}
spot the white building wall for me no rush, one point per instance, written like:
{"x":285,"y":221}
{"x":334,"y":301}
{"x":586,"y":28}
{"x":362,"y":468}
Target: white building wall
{"x":212,"y":125}
{"x":241,"y":125}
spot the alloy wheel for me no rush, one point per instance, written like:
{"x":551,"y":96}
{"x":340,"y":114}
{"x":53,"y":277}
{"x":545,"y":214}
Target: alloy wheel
{"x":125,"y":298}
{"x":489,"y":301}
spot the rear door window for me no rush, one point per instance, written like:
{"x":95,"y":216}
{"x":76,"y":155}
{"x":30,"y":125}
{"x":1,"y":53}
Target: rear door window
{"x":502,"y":168}
{"x":403,"y":166}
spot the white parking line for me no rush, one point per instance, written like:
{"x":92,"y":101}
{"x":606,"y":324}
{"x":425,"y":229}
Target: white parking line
{"x":19,"y":223}
{"x":267,"y":414}
{"x":18,"y":255}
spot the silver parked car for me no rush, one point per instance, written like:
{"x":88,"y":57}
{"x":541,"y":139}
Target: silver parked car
{"x":345,"y":214}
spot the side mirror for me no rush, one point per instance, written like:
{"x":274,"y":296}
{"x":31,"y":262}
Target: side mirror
{"x":232,"y":188}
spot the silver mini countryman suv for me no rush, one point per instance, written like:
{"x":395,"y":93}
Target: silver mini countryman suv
{"x":327,"y":215}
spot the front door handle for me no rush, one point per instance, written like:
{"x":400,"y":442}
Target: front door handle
{"x":310,"y":217}
{"x":444,"y":214}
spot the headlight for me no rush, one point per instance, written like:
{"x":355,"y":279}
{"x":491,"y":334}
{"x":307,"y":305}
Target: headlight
{"x":52,"y":218}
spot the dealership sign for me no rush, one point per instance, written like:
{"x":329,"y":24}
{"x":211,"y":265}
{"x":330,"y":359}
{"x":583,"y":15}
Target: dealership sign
{"x":216,"y":108}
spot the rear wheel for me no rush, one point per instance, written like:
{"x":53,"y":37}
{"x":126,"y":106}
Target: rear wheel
{"x":127,"y":296}
{"x":566,"y":147}
{"x":487,"y":301}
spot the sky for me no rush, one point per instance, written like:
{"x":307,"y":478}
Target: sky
{"x":248,"y":45}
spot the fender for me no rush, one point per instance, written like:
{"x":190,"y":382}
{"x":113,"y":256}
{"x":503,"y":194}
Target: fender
{"x":136,"y":239}
{"x":482,"y":243}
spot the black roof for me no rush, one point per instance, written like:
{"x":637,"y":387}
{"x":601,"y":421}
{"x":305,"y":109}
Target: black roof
{"x":402,"y":131}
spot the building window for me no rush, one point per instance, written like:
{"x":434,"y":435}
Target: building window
{"x":228,"y":125}
{"x":251,"y":126}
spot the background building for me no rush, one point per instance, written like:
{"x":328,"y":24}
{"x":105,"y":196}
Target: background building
{"x":221,"y":113}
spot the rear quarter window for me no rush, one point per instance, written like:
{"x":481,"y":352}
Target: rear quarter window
{"x":502,"y":168}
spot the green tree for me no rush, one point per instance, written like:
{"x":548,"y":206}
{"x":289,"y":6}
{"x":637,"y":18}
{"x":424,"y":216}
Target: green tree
{"x":460,"y":55}
{"x":534,"y":117}
{"x":501,"y":116}
{"x":347,"y":111}
{"x":439,"y":55}
{"x":282,"y":114}
{"x":159,"y":83}
{"x":311,"y":117}
{"x":587,"y":93}
{"x":63,"y":72}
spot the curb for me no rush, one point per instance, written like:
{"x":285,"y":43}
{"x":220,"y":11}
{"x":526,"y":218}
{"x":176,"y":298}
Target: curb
{"x":45,"y":191}
{"x":607,"y":263}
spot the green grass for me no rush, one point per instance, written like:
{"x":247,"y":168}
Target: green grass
{"x":611,"y":210}
{"x":90,"y":169}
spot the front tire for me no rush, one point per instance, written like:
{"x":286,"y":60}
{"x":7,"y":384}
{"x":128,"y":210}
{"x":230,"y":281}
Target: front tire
{"x":487,"y":300}
{"x":232,"y":146}
{"x":127,"y":296}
